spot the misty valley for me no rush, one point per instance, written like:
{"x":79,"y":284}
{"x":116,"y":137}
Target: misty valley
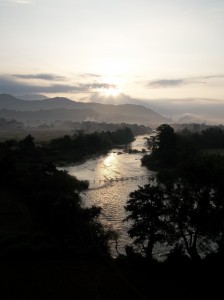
{"x":108,"y":196}
{"x":111,"y":149}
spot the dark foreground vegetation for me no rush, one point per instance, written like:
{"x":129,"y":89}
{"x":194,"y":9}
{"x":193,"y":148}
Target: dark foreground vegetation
{"x":183,"y":207}
{"x":182,"y":210}
{"x":41,"y":208}
{"x":51,"y":247}
{"x":40,"y":205}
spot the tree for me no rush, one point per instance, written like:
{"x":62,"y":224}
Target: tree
{"x":49,"y":199}
{"x":176,"y":212}
{"x":192,"y":188}
{"x":163,"y":146}
{"x":27,"y":144}
{"x":190,"y":215}
{"x":145,"y":208}
{"x":165,"y":138}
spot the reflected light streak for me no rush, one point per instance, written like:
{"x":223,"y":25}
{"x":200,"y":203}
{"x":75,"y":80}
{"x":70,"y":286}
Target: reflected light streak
{"x":109,"y":160}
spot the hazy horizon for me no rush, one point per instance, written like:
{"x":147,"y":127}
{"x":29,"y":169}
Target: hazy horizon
{"x":186,"y":110}
{"x":143,"y":49}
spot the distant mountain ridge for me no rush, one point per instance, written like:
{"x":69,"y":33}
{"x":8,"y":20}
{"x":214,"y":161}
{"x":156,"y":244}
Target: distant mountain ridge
{"x":66,"y":109}
{"x":51,"y":115}
{"x":31,"y":97}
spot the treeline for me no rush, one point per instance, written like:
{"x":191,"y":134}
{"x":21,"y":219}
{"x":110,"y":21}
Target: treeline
{"x":91,"y":127}
{"x":40,"y":207}
{"x":10,"y":124}
{"x":86,"y":126}
{"x":76,"y":147}
{"x":68,"y":149}
{"x":169,"y":148}
{"x":211,"y":138}
{"x":182,"y":207}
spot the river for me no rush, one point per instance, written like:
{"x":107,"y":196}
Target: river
{"x":112,"y":177}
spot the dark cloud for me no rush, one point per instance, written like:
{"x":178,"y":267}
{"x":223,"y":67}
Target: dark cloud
{"x":11,"y":86}
{"x":59,"y":88}
{"x":50,"y":77}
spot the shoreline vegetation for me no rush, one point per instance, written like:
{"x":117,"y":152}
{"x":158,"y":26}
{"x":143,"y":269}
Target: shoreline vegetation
{"x":80,"y":146}
{"x":186,"y":196}
{"x":44,"y":228}
{"x":40,"y":205}
{"x":9,"y":129}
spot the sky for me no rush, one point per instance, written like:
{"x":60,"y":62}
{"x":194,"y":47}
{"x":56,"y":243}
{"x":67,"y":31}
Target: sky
{"x":146,"y":49}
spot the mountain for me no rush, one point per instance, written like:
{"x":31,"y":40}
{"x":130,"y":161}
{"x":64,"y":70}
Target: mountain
{"x":140,"y":111}
{"x":13,"y":103}
{"x":181,"y":110}
{"x":31,"y":97}
{"x":65,"y":109}
{"x":51,"y":115}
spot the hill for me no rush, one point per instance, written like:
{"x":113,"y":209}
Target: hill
{"x":65,"y":109}
{"x":31,"y":97}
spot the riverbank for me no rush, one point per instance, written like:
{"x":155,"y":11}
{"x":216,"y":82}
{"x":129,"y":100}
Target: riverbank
{"x":72,"y":163}
{"x":111,"y":178}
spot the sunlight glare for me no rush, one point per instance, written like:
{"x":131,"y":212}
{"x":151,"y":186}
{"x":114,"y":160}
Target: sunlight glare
{"x":113,"y":76}
{"x":115,"y":86}
{"x":110,"y":92}
{"x":109,"y":160}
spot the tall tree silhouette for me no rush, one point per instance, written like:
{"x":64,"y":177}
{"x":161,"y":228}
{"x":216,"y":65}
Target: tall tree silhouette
{"x":146,"y":209}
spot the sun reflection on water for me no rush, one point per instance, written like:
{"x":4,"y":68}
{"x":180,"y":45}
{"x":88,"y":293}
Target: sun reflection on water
{"x":112,"y":178}
{"x":109,"y":160}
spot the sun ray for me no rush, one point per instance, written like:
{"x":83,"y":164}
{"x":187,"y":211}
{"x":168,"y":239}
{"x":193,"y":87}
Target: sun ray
{"x":111,"y":91}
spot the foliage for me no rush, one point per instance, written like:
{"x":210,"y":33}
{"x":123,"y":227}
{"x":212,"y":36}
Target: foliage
{"x":146,"y":209}
{"x":80,"y":145}
{"x":171,"y":149}
{"x":163,"y":146}
{"x":191,"y":211}
{"x":48,"y":198}
{"x":177,"y":211}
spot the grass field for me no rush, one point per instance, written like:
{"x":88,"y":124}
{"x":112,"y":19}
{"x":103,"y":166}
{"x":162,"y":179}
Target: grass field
{"x":40,"y":135}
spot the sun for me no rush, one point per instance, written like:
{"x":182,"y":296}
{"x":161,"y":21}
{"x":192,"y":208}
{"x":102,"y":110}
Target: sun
{"x":112,"y":77}
{"x":114,"y":86}
{"x":111,"y":91}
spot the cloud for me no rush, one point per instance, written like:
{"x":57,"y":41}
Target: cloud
{"x":169,"y":83}
{"x":90,"y":75}
{"x":98,"y":85}
{"x":10,"y":85}
{"x":165,"y":83}
{"x":39,"y":76}
{"x":212,"y":76}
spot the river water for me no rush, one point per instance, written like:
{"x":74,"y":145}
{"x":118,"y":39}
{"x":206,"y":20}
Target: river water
{"x":112,"y":177}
